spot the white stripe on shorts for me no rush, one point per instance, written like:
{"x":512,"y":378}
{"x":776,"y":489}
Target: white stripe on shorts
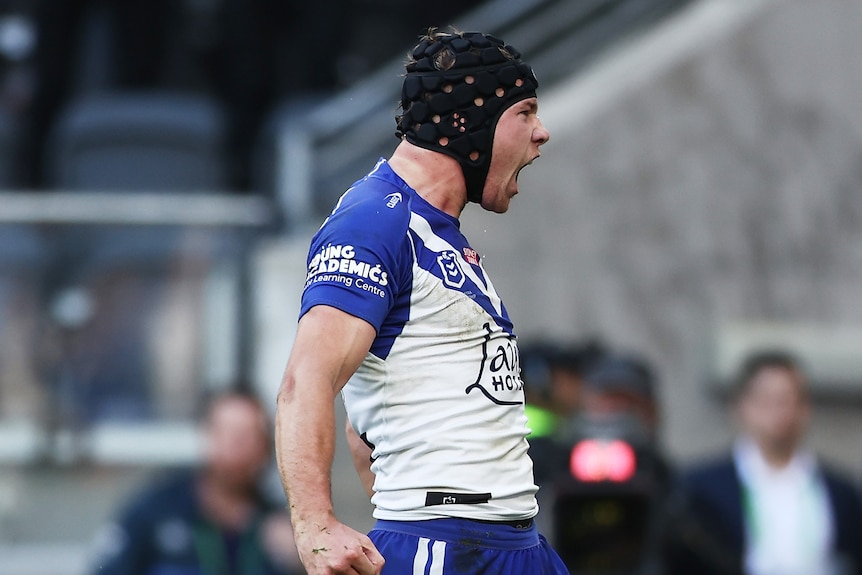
{"x":421,"y":557}
{"x":438,"y":554}
{"x":420,"y":560}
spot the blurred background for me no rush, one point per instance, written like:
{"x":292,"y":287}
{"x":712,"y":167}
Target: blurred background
{"x":165,"y":164}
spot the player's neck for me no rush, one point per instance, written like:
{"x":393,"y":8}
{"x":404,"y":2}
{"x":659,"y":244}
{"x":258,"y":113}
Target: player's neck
{"x":435,"y":176}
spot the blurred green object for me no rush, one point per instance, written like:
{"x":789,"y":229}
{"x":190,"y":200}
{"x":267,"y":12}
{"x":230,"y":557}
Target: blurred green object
{"x":541,"y":422}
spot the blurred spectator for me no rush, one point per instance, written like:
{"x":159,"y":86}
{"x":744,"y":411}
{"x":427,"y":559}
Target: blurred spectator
{"x":552,"y":375}
{"x":770,"y":506}
{"x":620,"y":390}
{"x":213,"y":520}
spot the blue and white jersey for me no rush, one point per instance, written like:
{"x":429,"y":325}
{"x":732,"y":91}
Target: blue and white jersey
{"x":439,"y":396}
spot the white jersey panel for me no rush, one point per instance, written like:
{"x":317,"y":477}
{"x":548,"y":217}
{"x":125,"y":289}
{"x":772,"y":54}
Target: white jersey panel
{"x":445,"y":409}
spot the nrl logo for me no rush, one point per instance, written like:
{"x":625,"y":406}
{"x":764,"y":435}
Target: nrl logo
{"x":453,"y":275}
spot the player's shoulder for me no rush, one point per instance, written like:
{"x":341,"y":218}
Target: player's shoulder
{"x":379,"y":205}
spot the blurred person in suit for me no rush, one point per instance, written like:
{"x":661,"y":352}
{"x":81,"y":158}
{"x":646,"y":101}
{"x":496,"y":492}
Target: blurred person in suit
{"x":212,"y":520}
{"x":771,"y":506}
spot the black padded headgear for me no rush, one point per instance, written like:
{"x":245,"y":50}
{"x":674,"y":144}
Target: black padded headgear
{"x":464,"y":102}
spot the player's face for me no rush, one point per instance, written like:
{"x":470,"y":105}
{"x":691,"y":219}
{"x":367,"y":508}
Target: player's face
{"x":517,"y":139}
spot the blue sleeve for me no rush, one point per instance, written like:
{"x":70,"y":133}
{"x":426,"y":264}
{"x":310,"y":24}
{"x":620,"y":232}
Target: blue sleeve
{"x":360,"y":258}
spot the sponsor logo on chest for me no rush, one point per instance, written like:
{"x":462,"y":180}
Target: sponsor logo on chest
{"x":472,"y":256}
{"x":499,"y":377}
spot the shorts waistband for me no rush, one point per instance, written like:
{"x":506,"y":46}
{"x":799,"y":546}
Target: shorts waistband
{"x":490,"y":534}
{"x":516,"y":523}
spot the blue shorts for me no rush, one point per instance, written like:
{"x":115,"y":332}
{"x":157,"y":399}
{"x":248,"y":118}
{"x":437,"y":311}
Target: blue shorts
{"x":463,"y":547}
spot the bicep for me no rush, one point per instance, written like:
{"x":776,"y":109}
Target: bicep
{"x":330,"y":345}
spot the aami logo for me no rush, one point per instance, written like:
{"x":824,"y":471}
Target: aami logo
{"x":393,"y":200}
{"x":499,"y":377}
{"x":453,"y":275}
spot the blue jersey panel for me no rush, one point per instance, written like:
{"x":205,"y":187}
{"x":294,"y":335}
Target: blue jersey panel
{"x":357,"y":259}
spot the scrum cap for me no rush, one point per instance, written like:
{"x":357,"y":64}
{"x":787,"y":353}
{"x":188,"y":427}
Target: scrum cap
{"x":456,"y":88}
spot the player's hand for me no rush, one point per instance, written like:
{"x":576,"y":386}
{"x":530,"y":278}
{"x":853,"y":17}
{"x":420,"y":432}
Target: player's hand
{"x":328,"y":547}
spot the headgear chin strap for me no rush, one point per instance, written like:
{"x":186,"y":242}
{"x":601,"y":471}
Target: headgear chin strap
{"x":455,"y":111}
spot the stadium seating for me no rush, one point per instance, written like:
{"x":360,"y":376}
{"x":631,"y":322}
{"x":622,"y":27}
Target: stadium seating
{"x":161,"y":142}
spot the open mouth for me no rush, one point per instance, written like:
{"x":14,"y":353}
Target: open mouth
{"x":530,"y":163}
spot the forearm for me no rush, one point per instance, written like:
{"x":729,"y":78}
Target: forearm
{"x":305,"y":439}
{"x":329,"y":347}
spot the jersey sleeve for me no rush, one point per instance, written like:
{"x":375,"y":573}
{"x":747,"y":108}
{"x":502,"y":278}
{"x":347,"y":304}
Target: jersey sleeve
{"x":357,"y":261}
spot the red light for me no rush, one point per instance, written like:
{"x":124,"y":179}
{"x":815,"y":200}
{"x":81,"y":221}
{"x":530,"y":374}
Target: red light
{"x":587,"y":461}
{"x":621,"y":461}
{"x":595,"y":460}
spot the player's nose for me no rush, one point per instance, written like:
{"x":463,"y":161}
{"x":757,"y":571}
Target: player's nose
{"x":541,"y":134}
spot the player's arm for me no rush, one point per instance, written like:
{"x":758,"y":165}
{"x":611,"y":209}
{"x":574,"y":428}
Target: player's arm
{"x":329,"y":346}
{"x":361,"y":453}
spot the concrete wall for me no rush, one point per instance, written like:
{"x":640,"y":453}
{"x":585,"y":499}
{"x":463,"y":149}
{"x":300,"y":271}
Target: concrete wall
{"x":707,"y":173}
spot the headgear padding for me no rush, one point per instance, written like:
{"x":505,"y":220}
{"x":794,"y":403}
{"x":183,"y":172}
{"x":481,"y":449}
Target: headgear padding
{"x":455,"y":111}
